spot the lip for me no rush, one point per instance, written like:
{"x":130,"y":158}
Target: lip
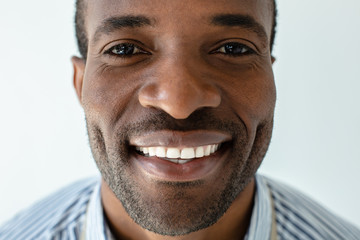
{"x":197,"y":169}
{"x":180,"y":139}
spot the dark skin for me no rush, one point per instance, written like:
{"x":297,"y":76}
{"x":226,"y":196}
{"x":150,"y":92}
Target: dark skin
{"x":169,"y":65}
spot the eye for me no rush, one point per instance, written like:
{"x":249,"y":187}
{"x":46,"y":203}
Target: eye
{"x":234,"y":49}
{"x":124,"y":50}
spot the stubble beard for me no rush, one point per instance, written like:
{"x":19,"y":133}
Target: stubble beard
{"x":177,"y":208}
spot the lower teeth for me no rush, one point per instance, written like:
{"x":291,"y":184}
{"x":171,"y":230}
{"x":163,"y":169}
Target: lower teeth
{"x":178,"y":161}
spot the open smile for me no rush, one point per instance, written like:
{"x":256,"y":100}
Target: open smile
{"x":179,"y":156}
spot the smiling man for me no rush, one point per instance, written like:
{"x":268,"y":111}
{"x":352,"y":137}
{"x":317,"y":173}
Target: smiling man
{"x":179,"y":101}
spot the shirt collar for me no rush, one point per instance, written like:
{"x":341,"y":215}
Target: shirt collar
{"x":96,"y":227}
{"x":261,"y":218}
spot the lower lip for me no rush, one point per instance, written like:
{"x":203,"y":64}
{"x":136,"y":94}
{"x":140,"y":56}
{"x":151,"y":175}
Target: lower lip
{"x":196,"y":169}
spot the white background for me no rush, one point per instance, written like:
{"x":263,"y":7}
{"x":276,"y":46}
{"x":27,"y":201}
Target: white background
{"x":315,"y":147}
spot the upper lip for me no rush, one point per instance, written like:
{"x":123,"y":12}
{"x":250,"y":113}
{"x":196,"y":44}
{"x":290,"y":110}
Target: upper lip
{"x":169,"y":138}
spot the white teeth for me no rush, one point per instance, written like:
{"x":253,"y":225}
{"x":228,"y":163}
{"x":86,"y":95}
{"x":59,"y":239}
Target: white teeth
{"x":178,"y":155}
{"x":144,"y":150}
{"x":160,"y":152}
{"x":152,"y":151}
{"x":183,"y":161}
{"x":207,"y":150}
{"x":199,"y":152}
{"x":212,"y":149}
{"x":173,"y":153}
{"x":179,"y":161}
{"x":187,"y":153}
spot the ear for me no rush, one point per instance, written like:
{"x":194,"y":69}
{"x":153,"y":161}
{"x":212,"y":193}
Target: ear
{"x":79,"y":69}
{"x":273,"y":59}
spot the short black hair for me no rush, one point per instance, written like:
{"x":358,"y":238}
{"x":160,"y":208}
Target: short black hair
{"x":81,"y":36}
{"x":82,"y":39}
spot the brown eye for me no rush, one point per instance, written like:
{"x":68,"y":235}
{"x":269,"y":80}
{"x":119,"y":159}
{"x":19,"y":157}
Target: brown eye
{"x":124,"y":50}
{"x":234,"y":49}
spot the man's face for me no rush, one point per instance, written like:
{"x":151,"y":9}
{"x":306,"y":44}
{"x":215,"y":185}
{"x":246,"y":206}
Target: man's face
{"x":179,"y":99}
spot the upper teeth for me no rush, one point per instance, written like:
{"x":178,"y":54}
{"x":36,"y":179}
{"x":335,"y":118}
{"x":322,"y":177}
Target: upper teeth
{"x":179,"y":153}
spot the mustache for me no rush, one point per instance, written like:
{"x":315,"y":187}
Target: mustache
{"x":201,"y":119}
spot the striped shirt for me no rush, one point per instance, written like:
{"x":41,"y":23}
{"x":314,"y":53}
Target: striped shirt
{"x":76,"y":212}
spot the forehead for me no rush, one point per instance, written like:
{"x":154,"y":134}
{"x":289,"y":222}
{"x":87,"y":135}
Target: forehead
{"x":177,"y":12}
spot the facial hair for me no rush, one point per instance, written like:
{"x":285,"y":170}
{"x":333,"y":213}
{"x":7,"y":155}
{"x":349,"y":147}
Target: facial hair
{"x":178,"y":208}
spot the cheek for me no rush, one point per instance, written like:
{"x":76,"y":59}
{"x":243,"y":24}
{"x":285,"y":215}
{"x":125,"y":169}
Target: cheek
{"x":107,"y":93}
{"x":252,"y":95}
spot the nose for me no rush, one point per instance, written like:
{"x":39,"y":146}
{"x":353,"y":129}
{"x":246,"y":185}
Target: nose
{"x":178,"y":89}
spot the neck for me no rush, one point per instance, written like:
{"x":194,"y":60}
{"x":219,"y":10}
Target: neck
{"x":233,"y":225}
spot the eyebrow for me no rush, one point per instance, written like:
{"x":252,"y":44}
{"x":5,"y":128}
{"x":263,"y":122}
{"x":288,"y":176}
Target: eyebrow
{"x":112,"y":24}
{"x":239,"y":20}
